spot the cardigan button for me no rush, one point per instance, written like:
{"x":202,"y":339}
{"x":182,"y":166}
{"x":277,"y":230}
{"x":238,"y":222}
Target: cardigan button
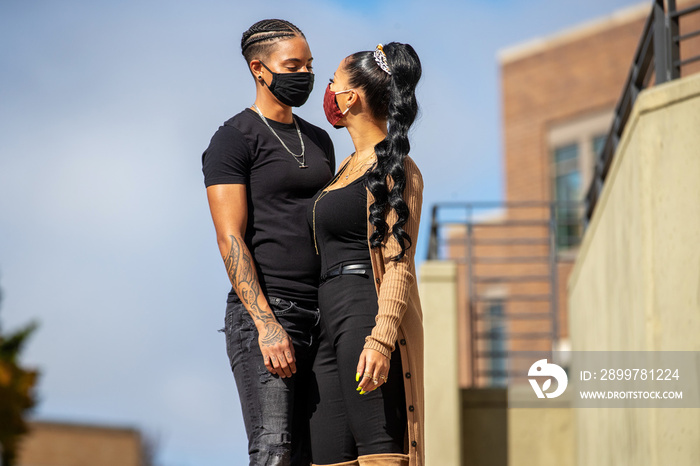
{"x":403,"y":341}
{"x":414,"y":443}
{"x":377,"y":280}
{"x":408,"y":375}
{"x":411,"y":408}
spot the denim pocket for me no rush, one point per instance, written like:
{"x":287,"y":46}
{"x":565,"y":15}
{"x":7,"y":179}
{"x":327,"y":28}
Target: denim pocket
{"x":281,"y":306}
{"x":307,"y":317}
{"x":299,"y":323}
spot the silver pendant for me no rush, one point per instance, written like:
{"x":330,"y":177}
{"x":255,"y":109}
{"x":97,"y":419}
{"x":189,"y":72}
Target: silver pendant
{"x":303,"y":166}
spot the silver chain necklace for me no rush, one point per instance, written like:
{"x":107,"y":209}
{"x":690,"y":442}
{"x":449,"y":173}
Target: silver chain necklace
{"x":302,"y":164}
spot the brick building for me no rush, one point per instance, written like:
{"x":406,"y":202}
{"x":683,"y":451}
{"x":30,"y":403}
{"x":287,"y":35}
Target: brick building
{"x":69,"y":444}
{"x":558,"y":99}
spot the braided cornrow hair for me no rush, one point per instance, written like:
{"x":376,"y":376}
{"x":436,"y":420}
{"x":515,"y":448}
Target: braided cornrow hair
{"x":391,"y":97}
{"x":257,"y":41}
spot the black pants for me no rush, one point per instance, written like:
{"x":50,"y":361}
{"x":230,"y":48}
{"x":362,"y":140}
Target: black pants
{"x":275,"y":410}
{"x":345,"y":424}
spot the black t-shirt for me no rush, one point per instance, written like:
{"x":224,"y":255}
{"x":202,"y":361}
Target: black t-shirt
{"x":244,"y":151}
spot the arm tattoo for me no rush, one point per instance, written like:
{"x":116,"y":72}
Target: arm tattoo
{"x":241,"y":272}
{"x":231,"y":259}
{"x":273,"y":334}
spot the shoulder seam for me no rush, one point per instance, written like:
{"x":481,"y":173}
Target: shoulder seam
{"x":242,"y":135}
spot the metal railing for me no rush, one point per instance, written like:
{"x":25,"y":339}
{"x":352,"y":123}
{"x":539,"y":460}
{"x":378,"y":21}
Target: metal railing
{"x":657,"y":55}
{"x":508,"y":255}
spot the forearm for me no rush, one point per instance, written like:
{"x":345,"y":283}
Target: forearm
{"x":229,"y":210}
{"x":275,"y":345}
{"x":393,"y":302}
{"x":399,"y":276}
{"x":244,"y":279}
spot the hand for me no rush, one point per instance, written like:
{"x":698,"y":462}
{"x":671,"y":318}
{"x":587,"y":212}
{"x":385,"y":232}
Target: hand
{"x":372,"y":370}
{"x":277,"y":349}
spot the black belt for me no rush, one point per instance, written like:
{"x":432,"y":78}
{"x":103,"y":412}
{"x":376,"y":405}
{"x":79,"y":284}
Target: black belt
{"x":347,"y":269}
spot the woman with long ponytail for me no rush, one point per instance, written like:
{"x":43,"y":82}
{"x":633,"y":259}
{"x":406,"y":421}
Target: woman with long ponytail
{"x":369,"y":364}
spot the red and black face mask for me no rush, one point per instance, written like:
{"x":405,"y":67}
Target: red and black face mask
{"x":330,"y":106}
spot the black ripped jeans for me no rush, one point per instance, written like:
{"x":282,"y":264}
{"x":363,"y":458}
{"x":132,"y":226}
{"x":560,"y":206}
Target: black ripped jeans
{"x":275,"y":410}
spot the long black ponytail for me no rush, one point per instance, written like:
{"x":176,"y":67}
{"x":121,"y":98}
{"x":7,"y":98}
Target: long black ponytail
{"x":391,"y":96}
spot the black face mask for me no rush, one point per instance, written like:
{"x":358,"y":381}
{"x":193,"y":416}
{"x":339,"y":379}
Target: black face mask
{"x":291,"y":89}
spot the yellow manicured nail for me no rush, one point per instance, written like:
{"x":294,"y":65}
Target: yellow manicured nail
{"x":357,"y":377}
{"x":358,"y":389}
{"x":362,"y":392}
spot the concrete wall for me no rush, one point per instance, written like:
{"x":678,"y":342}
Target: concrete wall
{"x":540,"y":436}
{"x":485,"y":421}
{"x":438,"y":291}
{"x":636,"y":282}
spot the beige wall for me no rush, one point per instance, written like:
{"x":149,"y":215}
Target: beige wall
{"x":60,"y":444}
{"x":540,"y":436}
{"x":485,"y":425}
{"x":438,"y":291}
{"x":636,"y":282}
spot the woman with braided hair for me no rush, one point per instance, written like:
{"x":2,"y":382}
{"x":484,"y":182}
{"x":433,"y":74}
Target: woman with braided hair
{"x":369,"y":365}
{"x":262,"y":169}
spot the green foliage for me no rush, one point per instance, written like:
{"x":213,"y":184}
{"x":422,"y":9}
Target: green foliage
{"x":11,"y":345}
{"x":17,"y":392}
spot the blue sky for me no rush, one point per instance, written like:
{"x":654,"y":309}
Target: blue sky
{"x":105,"y":236}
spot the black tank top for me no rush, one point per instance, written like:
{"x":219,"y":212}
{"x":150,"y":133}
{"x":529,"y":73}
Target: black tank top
{"x":341,"y":225}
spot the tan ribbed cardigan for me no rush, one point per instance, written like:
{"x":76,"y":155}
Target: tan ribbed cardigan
{"x":400,"y":318}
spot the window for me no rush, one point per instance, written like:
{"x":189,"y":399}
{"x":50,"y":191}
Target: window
{"x":598,"y":145}
{"x":567,"y":192}
{"x":497,"y":344}
{"x":575,"y":147}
